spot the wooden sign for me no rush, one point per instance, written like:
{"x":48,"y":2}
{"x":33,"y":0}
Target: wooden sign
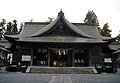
{"x":26,"y":58}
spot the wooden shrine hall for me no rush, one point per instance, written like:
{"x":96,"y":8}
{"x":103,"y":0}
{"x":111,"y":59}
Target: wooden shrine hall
{"x":59,"y":44}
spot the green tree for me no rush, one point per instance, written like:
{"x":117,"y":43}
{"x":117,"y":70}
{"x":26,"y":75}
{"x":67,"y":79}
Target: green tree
{"x":118,"y":38}
{"x":2,"y":27}
{"x":15,"y":29}
{"x":105,"y":31}
{"x":91,"y":18}
{"x":9,"y":28}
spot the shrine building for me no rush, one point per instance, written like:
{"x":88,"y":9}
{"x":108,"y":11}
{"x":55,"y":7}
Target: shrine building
{"x":59,"y":44}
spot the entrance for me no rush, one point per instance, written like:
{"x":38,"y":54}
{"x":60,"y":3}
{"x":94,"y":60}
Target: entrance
{"x":60,"y":58}
{"x":40,"y":57}
{"x":81,"y":57}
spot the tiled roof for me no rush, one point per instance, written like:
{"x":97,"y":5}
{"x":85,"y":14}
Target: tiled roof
{"x":37,"y":29}
{"x":5,"y":43}
{"x":114,"y":46}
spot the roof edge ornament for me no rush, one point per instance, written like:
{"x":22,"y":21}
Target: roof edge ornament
{"x":61,"y":13}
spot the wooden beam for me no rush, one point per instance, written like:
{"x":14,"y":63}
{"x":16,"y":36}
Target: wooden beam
{"x":32,"y":56}
{"x":73,"y":58}
{"x":90,"y":57}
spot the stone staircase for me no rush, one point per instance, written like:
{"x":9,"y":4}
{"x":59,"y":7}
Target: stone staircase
{"x":61,"y":70}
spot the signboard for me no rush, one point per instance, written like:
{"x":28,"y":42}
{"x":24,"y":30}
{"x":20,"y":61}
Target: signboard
{"x":107,"y":60}
{"x":26,"y":58}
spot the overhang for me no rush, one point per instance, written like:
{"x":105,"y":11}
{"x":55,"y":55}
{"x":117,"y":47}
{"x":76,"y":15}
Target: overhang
{"x":4,"y":49}
{"x":60,"y":40}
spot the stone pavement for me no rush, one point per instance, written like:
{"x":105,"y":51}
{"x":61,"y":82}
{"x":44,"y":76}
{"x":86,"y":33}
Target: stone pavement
{"x":12,"y":77}
{"x":61,"y":79}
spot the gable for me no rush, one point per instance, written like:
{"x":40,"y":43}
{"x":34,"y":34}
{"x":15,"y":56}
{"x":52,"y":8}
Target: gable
{"x":60,"y":23}
{"x":61,"y":29}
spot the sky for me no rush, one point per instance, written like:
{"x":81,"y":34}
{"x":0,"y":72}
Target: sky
{"x":107,"y":11}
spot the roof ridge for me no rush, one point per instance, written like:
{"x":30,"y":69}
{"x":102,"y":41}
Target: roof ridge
{"x":59,"y":17}
{"x":36,"y":23}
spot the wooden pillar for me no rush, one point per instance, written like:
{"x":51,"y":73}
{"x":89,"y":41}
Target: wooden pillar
{"x":100,"y":54}
{"x":19,"y":55}
{"x":32,"y":56}
{"x":73,"y":58}
{"x":48,"y":57}
{"x":90,"y":57}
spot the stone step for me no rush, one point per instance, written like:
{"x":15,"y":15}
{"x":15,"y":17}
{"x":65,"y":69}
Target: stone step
{"x":3,"y":69}
{"x":60,"y":70}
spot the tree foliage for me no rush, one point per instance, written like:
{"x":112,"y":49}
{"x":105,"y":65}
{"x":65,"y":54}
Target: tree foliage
{"x":118,"y":38}
{"x":91,"y":18}
{"x":105,"y":31}
{"x":15,"y":29}
{"x":2,"y":27}
{"x":11,"y":28}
